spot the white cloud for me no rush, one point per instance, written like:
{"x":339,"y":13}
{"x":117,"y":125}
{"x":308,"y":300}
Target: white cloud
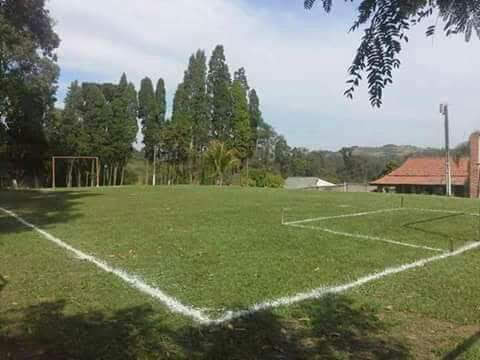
{"x":296,"y":60}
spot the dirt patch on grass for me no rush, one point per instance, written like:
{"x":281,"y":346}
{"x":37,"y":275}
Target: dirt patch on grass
{"x":432,"y":338}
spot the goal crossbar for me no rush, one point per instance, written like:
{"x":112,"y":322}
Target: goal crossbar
{"x":93,"y":158}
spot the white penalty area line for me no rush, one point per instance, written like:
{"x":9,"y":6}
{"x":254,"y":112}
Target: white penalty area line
{"x":322,"y":291}
{"x":170,"y":302}
{"x":341,"y":216}
{"x":198,"y":315}
{"x":366,"y":237}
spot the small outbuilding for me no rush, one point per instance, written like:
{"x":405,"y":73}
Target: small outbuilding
{"x":307,"y":183}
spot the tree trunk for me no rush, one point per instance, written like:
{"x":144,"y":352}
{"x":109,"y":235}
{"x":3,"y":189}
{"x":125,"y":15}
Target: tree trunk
{"x":92,"y":174}
{"x":122,"y":179}
{"x":191,"y":161}
{"x":69,"y":173}
{"x":146,"y":171}
{"x":248,"y":177}
{"x":110,"y":175}
{"x":115,"y":172}
{"x":79,"y":176}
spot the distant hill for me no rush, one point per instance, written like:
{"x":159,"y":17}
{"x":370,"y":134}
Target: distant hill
{"x":392,"y":151}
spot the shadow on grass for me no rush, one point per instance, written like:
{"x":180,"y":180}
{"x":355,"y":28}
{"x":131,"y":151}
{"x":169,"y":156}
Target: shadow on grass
{"x":3,"y":282}
{"x":331,"y":328}
{"x":463,"y":347}
{"x":42,"y":208}
{"x":413,"y":225}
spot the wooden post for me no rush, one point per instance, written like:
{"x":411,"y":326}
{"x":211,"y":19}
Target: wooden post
{"x":98,"y":172}
{"x":53,"y":172}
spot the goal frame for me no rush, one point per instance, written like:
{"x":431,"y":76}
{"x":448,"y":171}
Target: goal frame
{"x":96,"y":160}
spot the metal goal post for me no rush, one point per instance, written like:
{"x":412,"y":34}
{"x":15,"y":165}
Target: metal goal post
{"x":94,"y":159}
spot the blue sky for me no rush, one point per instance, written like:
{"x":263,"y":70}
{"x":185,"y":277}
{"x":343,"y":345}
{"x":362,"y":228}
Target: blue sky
{"x":296,"y":59}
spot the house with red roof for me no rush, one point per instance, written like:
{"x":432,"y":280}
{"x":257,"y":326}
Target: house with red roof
{"x":428,"y":174}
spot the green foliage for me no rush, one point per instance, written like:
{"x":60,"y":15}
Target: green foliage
{"x":160,"y":97}
{"x":220,"y":159}
{"x":387,"y":23}
{"x":391,"y":166}
{"x":263,"y":178}
{"x":219,"y":82}
{"x":148,"y":113}
{"x":255,"y":116}
{"x":241,"y":131}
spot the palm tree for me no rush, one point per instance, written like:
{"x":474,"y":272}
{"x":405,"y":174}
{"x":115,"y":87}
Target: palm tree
{"x":220,"y":158}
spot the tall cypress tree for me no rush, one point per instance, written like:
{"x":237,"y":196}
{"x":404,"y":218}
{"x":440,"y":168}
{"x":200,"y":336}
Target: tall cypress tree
{"x":160,"y":97}
{"x":199,"y":100}
{"x":124,"y":127}
{"x":190,"y":111}
{"x":148,"y":113}
{"x":255,"y":118}
{"x":241,"y":132}
{"x":97,"y":120}
{"x":220,"y":99}
{"x":241,"y":75}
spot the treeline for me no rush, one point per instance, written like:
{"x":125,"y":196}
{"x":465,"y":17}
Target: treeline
{"x":209,"y":107}
{"x":98,"y":120}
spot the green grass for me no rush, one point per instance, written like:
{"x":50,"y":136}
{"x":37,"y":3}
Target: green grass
{"x":223,"y":249}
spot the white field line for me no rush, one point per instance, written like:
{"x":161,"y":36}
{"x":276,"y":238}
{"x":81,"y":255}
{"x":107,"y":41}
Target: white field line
{"x":171,"y":303}
{"x":366,"y":237}
{"x":443,"y":211}
{"x":197,"y":315}
{"x":341,"y":216}
{"x":322,"y":291}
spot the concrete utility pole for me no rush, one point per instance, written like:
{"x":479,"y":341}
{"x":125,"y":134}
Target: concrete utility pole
{"x":154,"y":176}
{"x":448,"y":174}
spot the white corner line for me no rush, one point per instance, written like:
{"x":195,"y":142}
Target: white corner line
{"x":342,"y":216}
{"x":197,"y":315}
{"x":367,"y":237}
{"x":134,"y":281}
{"x":322,"y":291}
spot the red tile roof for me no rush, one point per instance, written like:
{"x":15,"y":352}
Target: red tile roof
{"x":426,"y":171}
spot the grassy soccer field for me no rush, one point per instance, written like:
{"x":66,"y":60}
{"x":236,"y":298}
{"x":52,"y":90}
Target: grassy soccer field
{"x":226,"y":249}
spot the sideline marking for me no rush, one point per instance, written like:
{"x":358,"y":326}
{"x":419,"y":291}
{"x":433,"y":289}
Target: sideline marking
{"x":342,"y":216}
{"x":322,"y":291}
{"x":173,"y":304}
{"x":366,"y":237}
{"x":198,"y":315}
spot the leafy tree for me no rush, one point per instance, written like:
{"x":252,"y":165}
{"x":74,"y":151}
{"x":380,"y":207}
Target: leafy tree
{"x":221,"y":159}
{"x":160,"y":97}
{"x":29,"y":105}
{"x":282,"y":155}
{"x":241,"y":76}
{"x":28,"y":43}
{"x":124,"y":127}
{"x":148,"y":113}
{"x":389,"y":167}
{"x":190,"y":109}
{"x":28,"y":77}
{"x":387,"y":23}
{"x":71,"y":138}
{"x":97,"y":120}
{"x":241,"y":134}
{"x":266,"y":136}
{"x":219,"y":82}
{"x":256,"y":119}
